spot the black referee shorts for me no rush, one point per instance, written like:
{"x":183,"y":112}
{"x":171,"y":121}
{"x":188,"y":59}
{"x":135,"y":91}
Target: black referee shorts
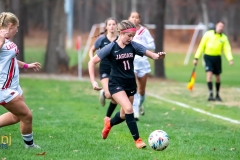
{"x":213,"y":64}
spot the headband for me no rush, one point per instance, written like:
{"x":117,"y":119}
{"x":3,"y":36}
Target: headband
{"x":129,"y":30}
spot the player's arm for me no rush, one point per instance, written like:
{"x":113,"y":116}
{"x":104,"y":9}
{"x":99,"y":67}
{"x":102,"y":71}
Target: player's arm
{"x":141,"y":50}
{"x":155,"y":56}
{"x":91,"y":52}
{"x":91,"y":65}
{"x":93,"y":61}
{"x":35,"y":66}
{"x":95,"y":46}
{"x":149,"y":40}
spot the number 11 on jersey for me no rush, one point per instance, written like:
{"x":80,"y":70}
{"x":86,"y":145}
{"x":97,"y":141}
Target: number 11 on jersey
{"x":126,"y":65}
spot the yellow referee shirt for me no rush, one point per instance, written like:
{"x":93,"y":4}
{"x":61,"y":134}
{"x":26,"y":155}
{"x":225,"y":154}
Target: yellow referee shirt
{"x":213,"y":44}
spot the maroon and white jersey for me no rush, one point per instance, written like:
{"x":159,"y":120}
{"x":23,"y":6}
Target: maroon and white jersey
{"x":143,"y":37}
{"x":9,"y":72}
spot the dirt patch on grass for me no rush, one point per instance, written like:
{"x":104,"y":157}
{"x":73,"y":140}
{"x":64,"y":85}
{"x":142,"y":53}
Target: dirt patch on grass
{"x":172,"y":89}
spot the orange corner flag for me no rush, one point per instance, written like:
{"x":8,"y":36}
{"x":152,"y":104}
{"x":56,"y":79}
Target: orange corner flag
{"x":192,"y":79}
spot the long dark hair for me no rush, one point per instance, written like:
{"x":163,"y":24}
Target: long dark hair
{"x":106,"y":21}
{"x":139,"y":18}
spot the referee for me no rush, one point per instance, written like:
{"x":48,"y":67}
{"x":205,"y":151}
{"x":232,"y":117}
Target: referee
{"x":212,"y":44}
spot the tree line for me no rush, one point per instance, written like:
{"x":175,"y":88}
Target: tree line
{"x":49,"y":15}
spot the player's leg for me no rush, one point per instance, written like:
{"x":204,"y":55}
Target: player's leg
{"x":104,"y":91}
{"x":142,"y":76}
{"x":142,"y":81}
{"x":18,"y":107}
{"x":136,"y":100}
{"x":112,"y":104}
{"x":125,"y":100}
{"x":7,"y":119}
{"x":109,"y":123}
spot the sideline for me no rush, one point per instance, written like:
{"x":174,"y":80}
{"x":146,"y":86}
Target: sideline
{"x":67,"y":77}
{"x":193,"y":108}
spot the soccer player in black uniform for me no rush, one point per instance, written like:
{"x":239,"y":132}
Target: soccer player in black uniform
{"x":122,"y":82}
{"x":105,"y":67}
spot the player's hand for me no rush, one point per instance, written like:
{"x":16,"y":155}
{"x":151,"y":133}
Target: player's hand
{"x":35,"y":66}
{"x":195,"y":61}
{"x":95,"y":86}
{"x":161,"y":55}
{"x":231,"y":62}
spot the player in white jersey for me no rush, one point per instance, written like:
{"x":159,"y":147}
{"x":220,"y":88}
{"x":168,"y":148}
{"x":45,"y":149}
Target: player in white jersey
{"x":11,"y":95}
{"x":141,"y":64}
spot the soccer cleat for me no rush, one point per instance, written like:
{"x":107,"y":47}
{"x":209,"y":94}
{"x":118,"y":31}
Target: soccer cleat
{"x":218,"y":98}
{"x":33,"y":146}
{"x":141,"y":109}
{"x":102,"y":97}
{"x":210,"y":98}
{"x":107,"y":127}
{"x":139,"y":143}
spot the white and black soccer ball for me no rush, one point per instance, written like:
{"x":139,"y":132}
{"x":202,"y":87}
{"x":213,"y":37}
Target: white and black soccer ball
{"x":158,"y":140}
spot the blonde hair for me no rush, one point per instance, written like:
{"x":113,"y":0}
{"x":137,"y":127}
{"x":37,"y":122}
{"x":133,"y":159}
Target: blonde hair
{"x":125,"y":24}
{"x":6,"y":18}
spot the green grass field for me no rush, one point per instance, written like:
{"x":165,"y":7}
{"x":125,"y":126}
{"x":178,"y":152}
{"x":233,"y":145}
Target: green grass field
{"x":68,"y":119}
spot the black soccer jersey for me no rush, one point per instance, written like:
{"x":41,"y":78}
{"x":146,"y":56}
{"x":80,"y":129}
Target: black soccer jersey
{"x":121,"y":59}
{"x":100,"y":43}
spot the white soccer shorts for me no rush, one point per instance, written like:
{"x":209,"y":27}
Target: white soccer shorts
{"x":6,"y":95}
{"x":141,"y":66}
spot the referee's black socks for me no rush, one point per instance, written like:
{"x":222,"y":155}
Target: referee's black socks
{"x":218,"y":84}
{"x":210,"y":86}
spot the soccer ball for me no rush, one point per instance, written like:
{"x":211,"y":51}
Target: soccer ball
{"x":158,"y":140}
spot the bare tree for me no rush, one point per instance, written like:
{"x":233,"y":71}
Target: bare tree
{"x":204,"y":12}
{"x":159,"y":65}
{"x":134,"y":5}
{"x":56,"y":56}
{"x":18,"y":8}
{"x":2,"y":5}
{"x":113,"y":8}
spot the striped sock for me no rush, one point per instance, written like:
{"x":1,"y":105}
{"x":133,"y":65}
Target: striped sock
{"x":28,"y":139}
